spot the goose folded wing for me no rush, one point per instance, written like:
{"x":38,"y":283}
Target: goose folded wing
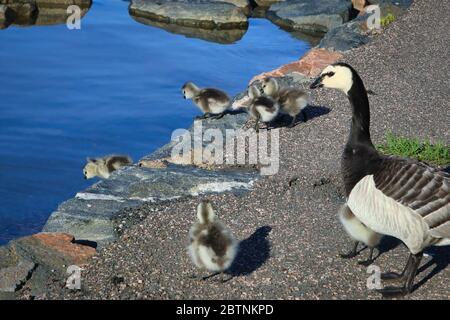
{"x":419,"y":187}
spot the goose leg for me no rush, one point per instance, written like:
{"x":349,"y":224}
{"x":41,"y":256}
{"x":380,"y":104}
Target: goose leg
{"x":393,"y":276}
{"x":369,"y":261}
{"x":352,"y":253}
{"x":410,"y":273}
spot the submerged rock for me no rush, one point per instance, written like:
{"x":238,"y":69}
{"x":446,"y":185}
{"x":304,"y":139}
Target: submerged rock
{"x":318,"y":16}
{"x":191,"y":13}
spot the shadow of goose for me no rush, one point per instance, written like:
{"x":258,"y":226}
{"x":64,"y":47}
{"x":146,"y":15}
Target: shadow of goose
{"x":253,"y":253}
{"x":440,"y":260}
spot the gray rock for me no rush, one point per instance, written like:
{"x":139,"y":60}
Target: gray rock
{"x":6,"y":16}
{"x":266,"y":3}
{"x":311,"y":16}
{"x":90,"y":215}
{"x":244,"y":5}
{"x":14,"y":277}
{"x":191,"y":13}
{"x":347,"y":36}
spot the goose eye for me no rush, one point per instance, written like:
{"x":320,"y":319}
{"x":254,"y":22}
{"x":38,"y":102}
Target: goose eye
{"x":330,"y":74}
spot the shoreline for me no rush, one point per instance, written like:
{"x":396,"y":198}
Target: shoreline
{"x":299,"y":178}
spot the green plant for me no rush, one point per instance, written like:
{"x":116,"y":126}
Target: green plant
{"x":387,"y":19}
{"x":438,"y":154}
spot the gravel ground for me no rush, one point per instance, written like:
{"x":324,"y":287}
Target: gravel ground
{"x":290,"y":233}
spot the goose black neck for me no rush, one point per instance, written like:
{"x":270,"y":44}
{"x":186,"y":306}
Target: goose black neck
{"x":360,"y":128}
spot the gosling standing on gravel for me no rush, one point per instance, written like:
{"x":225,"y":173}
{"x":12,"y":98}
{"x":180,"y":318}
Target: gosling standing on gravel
{"x":212,"y":246}
{"x":212,"y":102}
{"x":261,"y":108}
{"x":292,"y":100}
{"x":103,"y":167}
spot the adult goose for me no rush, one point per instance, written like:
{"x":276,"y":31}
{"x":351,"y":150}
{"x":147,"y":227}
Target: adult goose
{"x":398,"y":197}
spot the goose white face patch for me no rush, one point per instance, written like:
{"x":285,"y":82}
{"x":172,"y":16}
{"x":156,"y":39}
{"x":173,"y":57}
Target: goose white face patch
{"x":337,"y":77}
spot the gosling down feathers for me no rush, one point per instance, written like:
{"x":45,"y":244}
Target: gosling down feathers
{"x":212,"y":102}
{"x":261,"y":108}
{"x":293,"y":101}
{"x":402,"y":198}
{"x":212,"y":247}
{"x":104,"y":166}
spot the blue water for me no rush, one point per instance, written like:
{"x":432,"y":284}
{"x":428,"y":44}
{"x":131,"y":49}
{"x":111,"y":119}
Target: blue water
{"x":111,"y":87}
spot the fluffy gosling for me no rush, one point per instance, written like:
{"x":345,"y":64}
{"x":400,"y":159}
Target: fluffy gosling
{"x":103,"y":167}
{"x":212,"y":102}
{"x":212,"y":247}
{"x":261,"y":108}
{"x":293,"y":101}
{"x":359,"y":233}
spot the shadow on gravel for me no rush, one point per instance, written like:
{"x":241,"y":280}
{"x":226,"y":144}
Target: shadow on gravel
{"x":253,"y":253}
{"x":440,"y":260}
{"x":311,"y":113}
{"x":387,"y":244}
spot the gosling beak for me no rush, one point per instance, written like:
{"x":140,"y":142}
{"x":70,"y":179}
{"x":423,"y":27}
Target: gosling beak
{"x":317,"y":83}
{"x":85,"y":178}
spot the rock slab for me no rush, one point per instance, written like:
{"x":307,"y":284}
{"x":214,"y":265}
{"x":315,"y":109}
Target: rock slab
{"x":318,"y":16}
{"x":191,"y":13}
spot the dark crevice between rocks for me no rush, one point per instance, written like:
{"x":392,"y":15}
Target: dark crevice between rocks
{"x":87,"y":243}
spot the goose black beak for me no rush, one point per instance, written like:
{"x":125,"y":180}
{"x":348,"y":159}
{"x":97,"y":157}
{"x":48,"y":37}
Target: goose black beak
{"x":317,"y":83}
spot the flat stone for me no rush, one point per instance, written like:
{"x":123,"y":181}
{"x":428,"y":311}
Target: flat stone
{"x":318,"y":16}
{"x":191,"y":13}
{"x":244,"y":5}
{"x":13,"y":278}
{"x":266,"y":3}
{"x":310,"y":65}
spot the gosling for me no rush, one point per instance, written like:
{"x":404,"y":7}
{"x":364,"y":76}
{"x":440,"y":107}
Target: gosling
{"x":103,"y":167}
{"x":293,"y":101}
{"x":212,"y":246}
{"x":212,"y":102}
{"x":359,"y":232}
{"x":261,"y":108}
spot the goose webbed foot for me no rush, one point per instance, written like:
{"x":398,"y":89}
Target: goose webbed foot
{"x":392,"y":292}
{"x":408,"y":275}
{"x":352,"y":253}
{"x":369,"y":261}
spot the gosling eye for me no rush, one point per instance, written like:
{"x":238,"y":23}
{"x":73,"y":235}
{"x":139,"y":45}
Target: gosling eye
{"x":330,"y":74}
